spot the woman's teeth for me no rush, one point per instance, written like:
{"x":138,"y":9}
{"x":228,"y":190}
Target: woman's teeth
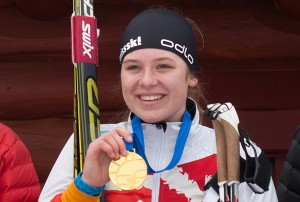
{"x":152,"y":97}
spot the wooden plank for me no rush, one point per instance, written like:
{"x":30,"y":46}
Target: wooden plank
{"x":289,"y":7}
{"x":6,"y":3}
{"x":45,"y":89}
{"x":252,"y":31}
{"x":271,"y":129}
{"x":254,"y":90}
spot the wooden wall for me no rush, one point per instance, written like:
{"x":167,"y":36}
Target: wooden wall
{"x":251,"y":57}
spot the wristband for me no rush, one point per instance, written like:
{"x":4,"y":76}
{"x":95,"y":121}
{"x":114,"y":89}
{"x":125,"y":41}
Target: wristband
{"x":85,"y":188}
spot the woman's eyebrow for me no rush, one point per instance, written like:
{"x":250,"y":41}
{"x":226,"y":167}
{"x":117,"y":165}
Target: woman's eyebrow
{"x":130,"y":60}
{"x":156,"y":60}
{"x":164,"y":58}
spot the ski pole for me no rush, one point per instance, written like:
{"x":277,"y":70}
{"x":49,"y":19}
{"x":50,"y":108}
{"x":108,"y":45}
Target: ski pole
{"x":233,"y":160}
{"x":225,"y":122}
{"x":230,"y":121}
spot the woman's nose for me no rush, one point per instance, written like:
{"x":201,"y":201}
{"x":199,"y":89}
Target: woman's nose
{"x":148,"y":78}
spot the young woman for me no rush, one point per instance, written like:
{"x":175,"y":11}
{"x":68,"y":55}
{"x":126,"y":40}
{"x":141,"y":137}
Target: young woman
{"x":158,"y":57}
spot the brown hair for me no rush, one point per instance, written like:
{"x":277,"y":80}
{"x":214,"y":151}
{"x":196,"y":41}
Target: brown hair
{"x":198,"y":92}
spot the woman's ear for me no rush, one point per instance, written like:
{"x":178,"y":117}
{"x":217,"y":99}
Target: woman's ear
{"x":192,"y":81}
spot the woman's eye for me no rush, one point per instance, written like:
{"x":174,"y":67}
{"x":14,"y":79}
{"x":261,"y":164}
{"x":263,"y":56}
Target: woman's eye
{"x":164,"y":66}
{"x":133,"y":67}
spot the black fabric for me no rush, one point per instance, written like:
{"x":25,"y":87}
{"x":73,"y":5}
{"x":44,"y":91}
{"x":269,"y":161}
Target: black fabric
{"x":212,"y":183}
{"x":262,"y":181}
{"x":286,"y":195}
{"x":162,"y":29}
{"x":191,"y":107}
{"x":289,"y":181}
{"x":161,"y":125}
{"x":293,"y":155}
{"x":290,"y":177}
{"x":257,"y":169}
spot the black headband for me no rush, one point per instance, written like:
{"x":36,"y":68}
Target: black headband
{"x":163,"y":29}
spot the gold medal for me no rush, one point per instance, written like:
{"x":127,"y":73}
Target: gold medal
{"x":129,"y":172}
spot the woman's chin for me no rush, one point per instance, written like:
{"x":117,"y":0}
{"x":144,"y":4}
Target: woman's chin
{"x":150,"y":118}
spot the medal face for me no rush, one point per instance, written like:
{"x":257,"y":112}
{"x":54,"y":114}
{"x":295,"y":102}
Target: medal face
{"x":128,"y":173}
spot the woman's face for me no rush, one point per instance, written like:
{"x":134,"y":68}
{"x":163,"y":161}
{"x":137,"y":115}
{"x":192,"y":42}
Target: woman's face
{"x":155,"y":84}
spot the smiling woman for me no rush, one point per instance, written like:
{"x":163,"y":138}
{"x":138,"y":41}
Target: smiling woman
{"x":163,"y":128}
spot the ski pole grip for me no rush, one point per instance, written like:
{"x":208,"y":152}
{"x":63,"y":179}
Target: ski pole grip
{"x":221,"y":152}
{"x":233,"y":152}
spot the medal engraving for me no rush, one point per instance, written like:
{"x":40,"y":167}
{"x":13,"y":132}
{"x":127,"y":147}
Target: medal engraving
{"x":129,"y":172}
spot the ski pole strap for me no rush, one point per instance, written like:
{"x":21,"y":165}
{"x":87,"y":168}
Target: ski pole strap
{"x":256,"y":169}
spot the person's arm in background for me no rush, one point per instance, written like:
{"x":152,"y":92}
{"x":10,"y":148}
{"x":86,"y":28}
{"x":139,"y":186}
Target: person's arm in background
{"x":289,"y":181}
{"x":18,"y":177}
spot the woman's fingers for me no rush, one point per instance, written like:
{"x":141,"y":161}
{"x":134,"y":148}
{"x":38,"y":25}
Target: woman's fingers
{"x":104,"y":144}
{"x":112,"y":143}
{"x":122,"y":135}
{"x":100,"y":153}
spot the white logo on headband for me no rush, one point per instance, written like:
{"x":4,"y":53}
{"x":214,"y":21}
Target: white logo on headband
{"x":132,"y":43}
{"x":179,"y":48}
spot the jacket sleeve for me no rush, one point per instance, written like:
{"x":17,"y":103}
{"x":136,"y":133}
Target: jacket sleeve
{"x":72,"y":194}
{"x":18,"y":177}
{"x":246,"y":193}
{"x":61,"y":175}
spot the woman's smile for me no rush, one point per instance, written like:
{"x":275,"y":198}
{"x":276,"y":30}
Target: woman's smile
{"x":150,"y":97}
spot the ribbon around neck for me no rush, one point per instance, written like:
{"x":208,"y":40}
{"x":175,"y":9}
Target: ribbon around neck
{"x":138,"y":141}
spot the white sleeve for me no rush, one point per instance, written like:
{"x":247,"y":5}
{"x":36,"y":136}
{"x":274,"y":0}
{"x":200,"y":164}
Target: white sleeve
{"x":61,"y":174}
{"x":247,"y":195}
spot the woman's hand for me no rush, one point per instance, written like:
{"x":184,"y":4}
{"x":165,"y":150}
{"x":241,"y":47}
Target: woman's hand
{"x":101,"y":152}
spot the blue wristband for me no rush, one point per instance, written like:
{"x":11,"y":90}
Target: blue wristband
{"x":85,"y":188}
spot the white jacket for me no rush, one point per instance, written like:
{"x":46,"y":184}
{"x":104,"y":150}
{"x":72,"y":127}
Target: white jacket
{"x":184,"y":182}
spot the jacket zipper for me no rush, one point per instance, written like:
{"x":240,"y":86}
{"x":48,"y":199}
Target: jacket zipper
{"x":156,"y":176}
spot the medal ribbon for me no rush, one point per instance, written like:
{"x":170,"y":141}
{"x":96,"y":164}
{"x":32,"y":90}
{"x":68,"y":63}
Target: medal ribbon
{"x":138,"y":141}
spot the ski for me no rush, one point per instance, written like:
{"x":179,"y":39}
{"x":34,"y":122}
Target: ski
{"x":85,"y":58}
